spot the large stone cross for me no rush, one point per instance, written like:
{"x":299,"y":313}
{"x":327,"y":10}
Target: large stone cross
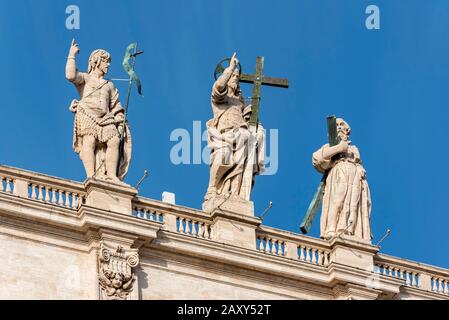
{"x":258,"y":79}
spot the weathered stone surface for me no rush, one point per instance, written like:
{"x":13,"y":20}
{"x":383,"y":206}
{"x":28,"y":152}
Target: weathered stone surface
{"x":51,"y":249}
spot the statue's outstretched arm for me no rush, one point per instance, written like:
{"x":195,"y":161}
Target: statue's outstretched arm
{"x":70,"y":69}
{"x":222,"y":81}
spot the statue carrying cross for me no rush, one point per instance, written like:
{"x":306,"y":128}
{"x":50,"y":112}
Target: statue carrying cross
{"x":235,"y":136}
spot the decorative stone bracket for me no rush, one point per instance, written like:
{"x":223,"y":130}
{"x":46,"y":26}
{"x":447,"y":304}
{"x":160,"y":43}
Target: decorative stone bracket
{"x":116,"y":272}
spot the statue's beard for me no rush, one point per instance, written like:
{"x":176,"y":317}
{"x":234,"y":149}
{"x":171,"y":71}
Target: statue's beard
{"x":343,"y":136}
{"x":235,"y":89}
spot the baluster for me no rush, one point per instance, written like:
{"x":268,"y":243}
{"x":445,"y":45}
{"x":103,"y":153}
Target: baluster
{"x":413,"y":279}
{"x":67,"y":199}
{"x":440,"y":286}
{"x":307,"y":254}
{"x":326,"y":258}
{"x":195,"y":228}
{"x":264,"y":244}
{"x":407,"y":278}
{"x":33,"y":192}
{"x":158,"y":216}
{"x":60,"y":200}
{"x":39,"y":193}
{"x":47,"y":195}
{"x":283,"y":248}
{"x":445,"y":289}
{"x":179,"y":224}
{"x":271,"y":248}
{"x":301,"y":253}
{"x":384,"y":270}
{"x":1,"y":184}
{"x":201,"y":229}
{"x":320,"y":257}
{"x":207,"y":234}
{"x":75,"y":200}
{"x":313,"y":256}
{"x":399,"y":272}
{"x":53,"y":196}
{"x":188,"y":226}
{"x":8,"y":187}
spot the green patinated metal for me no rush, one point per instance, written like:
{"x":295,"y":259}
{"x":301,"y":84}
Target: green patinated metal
{"x":258,"y":80}
{"x":317,"y":199}
{"x":130,"y":54}
{"x":129,"y":68}
{"x":255,"y":98}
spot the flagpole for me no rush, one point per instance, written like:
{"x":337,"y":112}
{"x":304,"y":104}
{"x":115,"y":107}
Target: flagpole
{"x":122,"y":131}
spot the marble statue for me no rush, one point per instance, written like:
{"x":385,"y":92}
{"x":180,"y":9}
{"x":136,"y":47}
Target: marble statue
{"x":99,"y":118}
{"x":346,"y":205}
{"x":229,"y":136}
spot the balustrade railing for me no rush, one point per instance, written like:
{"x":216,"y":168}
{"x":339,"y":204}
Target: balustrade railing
{"x":42,"y":188}
{"x":411,"y":278}
{"x":285,"y":244}
{"x":415,"y":275}
{"x":177,"y":219}
{"x":148,"y":213}
{"x":55,"y":195}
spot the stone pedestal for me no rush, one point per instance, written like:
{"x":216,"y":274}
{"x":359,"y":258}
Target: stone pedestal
{"x":109,"y":196}
{"x":234,"y":222}
{"x":349,"y":251}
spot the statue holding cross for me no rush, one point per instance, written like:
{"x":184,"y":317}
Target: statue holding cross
{"x":343,"y":192}
{"x":235,"y":136}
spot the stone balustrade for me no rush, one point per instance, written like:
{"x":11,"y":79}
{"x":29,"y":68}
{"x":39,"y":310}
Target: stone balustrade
{"x":415,"y":275}
{"x":186,"y":221}
{"x":42,"y":188}
{"x":140,"y":210}
{"x":314,"y":254}
{"x":298,"y":247}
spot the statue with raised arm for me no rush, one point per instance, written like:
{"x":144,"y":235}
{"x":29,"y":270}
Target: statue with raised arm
{"x":346,"y":207}
{"x":228,"y":137}
{"x":99,"y":118}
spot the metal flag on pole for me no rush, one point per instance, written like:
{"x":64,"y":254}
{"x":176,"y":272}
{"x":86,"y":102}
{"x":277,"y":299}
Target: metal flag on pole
{"x":129,"y":62}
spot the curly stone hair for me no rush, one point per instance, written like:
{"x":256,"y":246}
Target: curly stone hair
{"x":95,"y":58}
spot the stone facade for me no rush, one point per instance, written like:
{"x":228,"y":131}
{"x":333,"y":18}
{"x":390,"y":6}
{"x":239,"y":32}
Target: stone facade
{"x":68,"y":240}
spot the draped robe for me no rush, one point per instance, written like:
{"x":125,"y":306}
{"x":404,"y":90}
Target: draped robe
{"x":346,"y":196}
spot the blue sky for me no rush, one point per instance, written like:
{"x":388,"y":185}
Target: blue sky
{"x":389,"y":84}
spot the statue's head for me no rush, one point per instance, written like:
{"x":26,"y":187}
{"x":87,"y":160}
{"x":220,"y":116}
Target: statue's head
{"x":99,"y":59}
{"x":234,"y":82}
{"x":117,"y":280}
{"x":343,"y":129}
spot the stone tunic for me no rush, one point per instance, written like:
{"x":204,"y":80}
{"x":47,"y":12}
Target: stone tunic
{"x":98,"y":113}
{"x":99,"y":110}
